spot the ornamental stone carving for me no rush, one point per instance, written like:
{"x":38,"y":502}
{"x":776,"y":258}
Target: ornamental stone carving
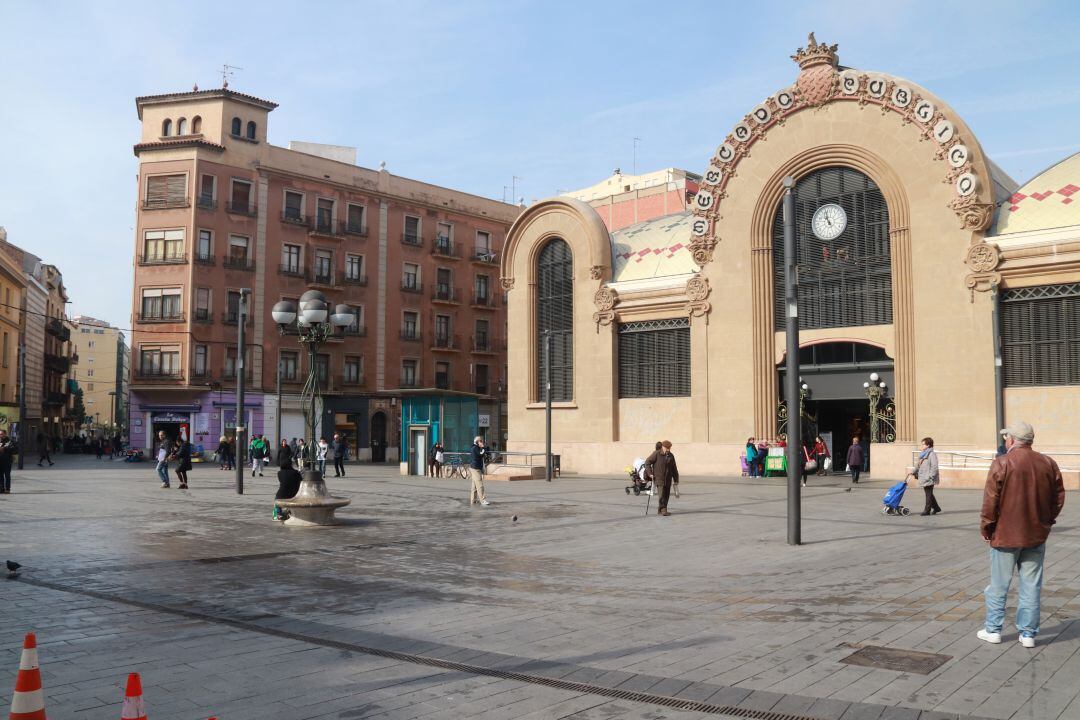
{"x":596,"y":272}
{"x":973,"y":214}
{"x":983,"y":257}
{"x":507,"y":283}
{"x":697,"y":288}
{"x":605,"y":298}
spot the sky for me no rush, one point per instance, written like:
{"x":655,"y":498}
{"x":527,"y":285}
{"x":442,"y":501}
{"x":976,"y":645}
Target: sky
{"x":542,"y":97}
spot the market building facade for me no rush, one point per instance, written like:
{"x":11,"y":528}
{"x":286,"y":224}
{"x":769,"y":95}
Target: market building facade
{"x":910,"y":242}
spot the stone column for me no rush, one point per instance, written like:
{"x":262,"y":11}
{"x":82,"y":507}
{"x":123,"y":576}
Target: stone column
{"x":904,"y":326}
{"x":763,"y":340}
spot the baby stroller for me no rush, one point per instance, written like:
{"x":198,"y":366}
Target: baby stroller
{"x":639,"y":482}
{"x":891,"y":502}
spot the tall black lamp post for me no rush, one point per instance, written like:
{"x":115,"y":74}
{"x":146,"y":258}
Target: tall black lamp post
{"x":315,"y":325}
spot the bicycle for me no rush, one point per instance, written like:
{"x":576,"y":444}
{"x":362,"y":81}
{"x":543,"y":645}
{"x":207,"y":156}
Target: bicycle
{"x":455,"y":466}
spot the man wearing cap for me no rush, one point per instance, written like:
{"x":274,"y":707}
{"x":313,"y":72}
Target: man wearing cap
{"x":1023,"y":496}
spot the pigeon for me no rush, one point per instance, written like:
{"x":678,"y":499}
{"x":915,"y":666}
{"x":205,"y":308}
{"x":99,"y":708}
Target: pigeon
{"x":12,"y":568}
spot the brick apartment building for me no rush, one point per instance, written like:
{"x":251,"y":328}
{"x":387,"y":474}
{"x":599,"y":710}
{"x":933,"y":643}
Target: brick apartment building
{"x":220,"y":209}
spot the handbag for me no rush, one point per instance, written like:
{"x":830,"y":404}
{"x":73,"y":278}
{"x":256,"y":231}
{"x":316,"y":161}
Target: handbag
{"x":811,"y":465}
{"x":828,"y":463}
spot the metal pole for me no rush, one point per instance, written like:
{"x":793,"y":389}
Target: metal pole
{"x":791,"y":379}
{"x":313,"y":443}
{"x":277,"y":427}
{"x":999,"y":378}
{"x":241,"y":371}
{"x":547,"y":402}
{"x":22,"y":403}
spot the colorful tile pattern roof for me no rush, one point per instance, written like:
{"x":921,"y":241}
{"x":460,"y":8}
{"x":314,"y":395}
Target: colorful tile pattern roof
{"x":654,"y":248}
{"x":1045,"y":202}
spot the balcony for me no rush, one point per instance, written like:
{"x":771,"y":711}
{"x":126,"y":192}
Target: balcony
{"x":206,"y":202}
{"x":57,"y":363}
{"x":443,"y":382}
{"x":410,"y":335}
{"x":482,"y":344}
{"x":65,"y":334}
{"x":483,"y":255}
{"x":241,"y":208}
{"x":165,"y":203}
{"x":354,"y":228}
{"x":294,"y":217}
{"x":232,"y":317}
{"x":291,"y":270}
{"x":407,"y":381}
{"x":353,"y":380}
{"x":158,"y":376}
{"x":163,"y":259}
{"x":486,"y":301}
{"x":411,"y":286}
{"x":356,"y":331}
{"x":164,"y":316}
{"x":74,"y":358}
{"x":238,"y":263}
{"x":56,"y":398}
{"x":202,"y":316}
{"x":200,"y":373}
{"x":445,"y":342}
{"x":346,"y":279}
{"x":324,"y":227}
{"x":54,"y":326}
{"x":442,"y":247}
{"x":322,"y":276}
{"x":230,"y":374}
{"x":411,"y":239}
{"x":481,"y":389}
{"x":204,"y":259}
{"x":446,"y":294}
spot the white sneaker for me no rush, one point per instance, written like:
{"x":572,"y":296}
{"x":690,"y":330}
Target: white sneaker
{"x":1027,"y":641}
{"x":484,"y":502}
{"x":994,"y":638}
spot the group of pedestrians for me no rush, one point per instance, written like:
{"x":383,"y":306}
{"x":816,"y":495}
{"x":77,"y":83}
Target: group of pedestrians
{"x":178,"y":450}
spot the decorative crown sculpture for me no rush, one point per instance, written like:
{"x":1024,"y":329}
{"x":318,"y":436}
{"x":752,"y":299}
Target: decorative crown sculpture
{"x":815,"y":53}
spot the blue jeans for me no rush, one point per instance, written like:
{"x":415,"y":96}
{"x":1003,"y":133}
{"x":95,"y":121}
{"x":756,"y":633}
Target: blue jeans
{"x":163,"y":471}
{"x":1029,"y":561}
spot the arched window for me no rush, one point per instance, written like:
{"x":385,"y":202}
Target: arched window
{"x":181,"y":126}
{"x":251,"y":130}
{"x":196,"y":124}
{"x":236,"y":126}
{"x":166,"y":128}
{"x":555,"y":315}
{"x":845,"y":268}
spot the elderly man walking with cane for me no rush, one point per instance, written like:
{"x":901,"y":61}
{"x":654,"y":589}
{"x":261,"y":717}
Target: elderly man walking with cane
{"x":1023,"y":496}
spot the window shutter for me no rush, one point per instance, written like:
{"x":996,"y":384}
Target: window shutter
{"x":555,"y":314}
{"x":1040,"y":335}
{"x":654,"y":358}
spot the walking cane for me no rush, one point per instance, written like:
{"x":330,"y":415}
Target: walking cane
{"x":649,"y":500}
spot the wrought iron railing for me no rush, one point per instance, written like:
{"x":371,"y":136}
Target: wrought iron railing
{"x":241,"y":209}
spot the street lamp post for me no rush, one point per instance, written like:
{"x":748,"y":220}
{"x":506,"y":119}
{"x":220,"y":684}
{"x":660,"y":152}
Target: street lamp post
{"x":315,"y":326}
{"x":791,"y":378}
{"x":112,"y":406}
{"x":875,"y":390}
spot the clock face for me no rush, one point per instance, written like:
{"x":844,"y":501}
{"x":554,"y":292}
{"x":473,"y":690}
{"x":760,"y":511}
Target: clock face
{"x":829,"y":221}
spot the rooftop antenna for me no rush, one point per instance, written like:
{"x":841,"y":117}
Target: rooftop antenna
{"x":504,"y":192}
{"x":513,"y":186}
{"x":226,"y":73}
{"x":636,"y":141}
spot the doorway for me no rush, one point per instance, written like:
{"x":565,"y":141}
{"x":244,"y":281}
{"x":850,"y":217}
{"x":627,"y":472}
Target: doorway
{"x":378,"y":437}
{"x":418,"y":442}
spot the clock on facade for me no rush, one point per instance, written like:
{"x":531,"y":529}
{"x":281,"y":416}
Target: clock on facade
{"x":829,"y":221}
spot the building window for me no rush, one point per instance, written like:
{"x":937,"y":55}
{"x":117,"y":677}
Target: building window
{"x":483,"y":244}
{"x":290,"y":259}
{"x":196,"y":125}
{"x":5,"y":351}
{"x":322,"y":368}
{"x":354,"y":268}
{"x":166,"y":128}
{"x":555,"y":316}
{"x":481,"y":380}
{"x":410,"y":279}
{"x":238,"y":249}
{"x":412,"y":230}
{"x":443,"y":284}
{"x":294,"y":206}
{"x":654,"y":359}
{"x":442,"y":330}
{"x":324,"y":215}
{"x":181,"y":126}
{"x":356,"y":327}
{"x":288,"y":362}
{"x":481,"y":288}
{"x":158,"y":362}
{"x":482,"y":338}
{"x":352,"y":370}
{"x":207,"y":191}
{"x":251,"y":129}
{"x":201,"y":365}
{"x":204,"y":250}
{"x":202,"y":304}
{"x":161,"y":304}
{"x":232,"y":307}
{"x":355,"y":222}
{"x":845,"y":281}
{"x":230,"y":362}
{"x":163,"y":191}
{"x":1040,"y":335}
{"x":442,"y":375}
{"x":408,"y":373}
{"x":236,"y":124}
{"x":241,"y":198}
{"x":410,"y":326}
{"x":163,"y":246}
{"x":324,"y":267}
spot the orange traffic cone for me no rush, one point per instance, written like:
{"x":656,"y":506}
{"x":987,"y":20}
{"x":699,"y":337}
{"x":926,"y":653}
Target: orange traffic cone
{"x":134,"y":708}
{"x":28,"y":702}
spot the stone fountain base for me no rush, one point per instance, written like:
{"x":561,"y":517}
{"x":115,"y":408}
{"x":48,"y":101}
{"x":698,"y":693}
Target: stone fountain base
{"x":313,"y":505}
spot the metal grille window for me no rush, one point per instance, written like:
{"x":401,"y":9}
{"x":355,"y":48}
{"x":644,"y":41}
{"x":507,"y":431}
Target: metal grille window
{"x":654,"y":358}
{"x":1040,"y":335}
{"x":555,"y":315}
{"x":846,"y":281}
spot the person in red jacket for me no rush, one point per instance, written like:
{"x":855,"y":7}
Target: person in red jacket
{"x":1023,"y":496}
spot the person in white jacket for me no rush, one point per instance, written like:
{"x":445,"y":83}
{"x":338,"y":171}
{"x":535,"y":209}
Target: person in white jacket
{"x":320,"y":454}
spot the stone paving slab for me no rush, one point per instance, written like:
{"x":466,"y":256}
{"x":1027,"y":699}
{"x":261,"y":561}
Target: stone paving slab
{"x":227,"y":612}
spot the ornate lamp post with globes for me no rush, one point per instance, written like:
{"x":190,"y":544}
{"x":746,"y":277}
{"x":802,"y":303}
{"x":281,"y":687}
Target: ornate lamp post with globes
{"x":875,"y":390}
{"x":315,"y":324}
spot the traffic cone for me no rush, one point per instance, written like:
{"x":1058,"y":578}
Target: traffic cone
{"x":134,"y":708}
{"x":28,"y":702}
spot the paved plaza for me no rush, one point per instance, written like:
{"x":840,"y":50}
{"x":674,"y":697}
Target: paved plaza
{"x":419,"y":606}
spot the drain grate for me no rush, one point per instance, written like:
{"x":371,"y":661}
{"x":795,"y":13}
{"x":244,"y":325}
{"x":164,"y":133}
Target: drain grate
{"x":568,"y":685}
{"x":885,"y":658}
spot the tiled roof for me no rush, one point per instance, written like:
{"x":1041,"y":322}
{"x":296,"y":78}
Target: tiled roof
{"x":178,"y":143}
{"x":654,"y":248}
{"x":198,"y":94}
{"x":1050,"y":200}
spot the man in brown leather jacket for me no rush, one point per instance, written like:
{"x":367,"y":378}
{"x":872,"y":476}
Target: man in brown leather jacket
{"x":1023,"y":496}
{"x":664,"y":471}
